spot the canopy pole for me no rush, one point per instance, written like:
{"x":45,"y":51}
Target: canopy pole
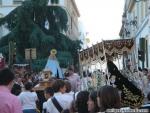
{"x":105,"y":58}
{"x":118,"y":63}
{"x":107,"y":73}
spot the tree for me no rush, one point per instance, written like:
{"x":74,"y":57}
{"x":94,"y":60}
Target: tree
{"x":36,"y":25}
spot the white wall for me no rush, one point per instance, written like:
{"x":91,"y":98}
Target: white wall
{"x":82,"y":34}
{"x":144,"y":33}
{"x":5,"y":10}
{"x":62,"y":2}
{"x":7,"y":2}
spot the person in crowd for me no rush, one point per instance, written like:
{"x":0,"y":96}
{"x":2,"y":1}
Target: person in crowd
{"x":129,"y":64}
{"x":9,"y":103}
{"x":81,"y":102}
{"x":59,"y":89}
{"x":139,"y":68}
{"x":16,"y":89}
{"x":74,"y":79}
{"x":147,"y":105}
{"x":48,"y":93}
{"x":19,"y":82}
{"x":108,"y":98}
{"x":84,"y":81}
{"x":66,"y":75}
{"x":28,"y":99}
{"x":145,"y":71}
{"x":145,"y":82}
{"x":68,"y":96}
{"x":148,"y":98}
{"x":92,"y":103}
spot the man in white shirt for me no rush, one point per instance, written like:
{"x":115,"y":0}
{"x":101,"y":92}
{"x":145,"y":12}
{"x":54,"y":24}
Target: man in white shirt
{"x":68,"y":96}
{"x":59,"y":88}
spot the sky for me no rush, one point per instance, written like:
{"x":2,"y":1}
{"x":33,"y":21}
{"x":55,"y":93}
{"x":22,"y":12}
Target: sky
{"x":102,"y":19}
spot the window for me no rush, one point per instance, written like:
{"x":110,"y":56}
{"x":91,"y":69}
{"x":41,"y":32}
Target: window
{"x":54,"y":1}
{"x":17,"y":1}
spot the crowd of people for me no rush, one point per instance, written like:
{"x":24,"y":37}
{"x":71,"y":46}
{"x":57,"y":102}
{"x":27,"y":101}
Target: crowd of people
{"x":64,"y":95}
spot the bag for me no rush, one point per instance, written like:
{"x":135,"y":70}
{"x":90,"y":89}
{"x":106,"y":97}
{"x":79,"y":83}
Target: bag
{"x":57,"y":105}
{"x":65,"y":111}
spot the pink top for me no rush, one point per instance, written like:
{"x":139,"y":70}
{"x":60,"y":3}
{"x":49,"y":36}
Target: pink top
{"x":74,"y":79}
{"x":9,"y":103}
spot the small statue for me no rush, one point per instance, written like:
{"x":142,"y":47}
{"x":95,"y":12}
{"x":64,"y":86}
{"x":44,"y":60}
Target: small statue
{"x":53,"y":65}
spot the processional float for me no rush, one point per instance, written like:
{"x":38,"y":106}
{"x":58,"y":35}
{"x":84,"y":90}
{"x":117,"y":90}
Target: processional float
{"x":51,"y":70}
{"x":107,"y":51}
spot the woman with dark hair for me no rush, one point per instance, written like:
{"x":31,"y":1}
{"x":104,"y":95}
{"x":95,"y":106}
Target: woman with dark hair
{"x":92,"y":103}
{"x":16,"y":89}
{"x":59,"y":89}
{"x":108,"y":98}
{"x":81,"y":102}
{"x":28,"y":99}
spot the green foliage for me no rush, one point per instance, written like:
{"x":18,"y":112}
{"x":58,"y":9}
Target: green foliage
{"x":36,"y":25}
{"x":65,"y":58}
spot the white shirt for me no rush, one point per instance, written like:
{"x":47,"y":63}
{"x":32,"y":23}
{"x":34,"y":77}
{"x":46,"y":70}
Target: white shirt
{"x":75,"y":82}
{"x":28,"y":100}
{"x":64,"y":100}
{"x":44,"y":106}
{"x":67,"y":99}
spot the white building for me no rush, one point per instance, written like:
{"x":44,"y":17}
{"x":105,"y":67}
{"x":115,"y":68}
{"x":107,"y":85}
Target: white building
{"x":6,"y":6}
{"x":136,"y":24}
{"x":82,"y":35}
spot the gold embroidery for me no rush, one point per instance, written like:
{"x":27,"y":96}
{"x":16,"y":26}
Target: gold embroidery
{"x":134,"y":100}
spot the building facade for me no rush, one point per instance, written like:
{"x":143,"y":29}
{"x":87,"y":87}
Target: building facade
{"x":136,"y":24}
{"x":7,"y":6}
{"x":73,"y":15}
{"x":83,"y":35}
